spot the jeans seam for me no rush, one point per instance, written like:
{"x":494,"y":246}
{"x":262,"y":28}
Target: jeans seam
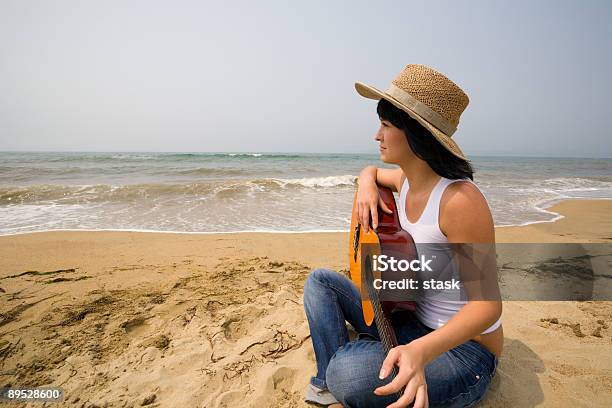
{"x":341,"y":321}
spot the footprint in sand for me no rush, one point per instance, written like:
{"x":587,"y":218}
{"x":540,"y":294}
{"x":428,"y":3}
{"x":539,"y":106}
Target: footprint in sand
{"x":135,"y":326}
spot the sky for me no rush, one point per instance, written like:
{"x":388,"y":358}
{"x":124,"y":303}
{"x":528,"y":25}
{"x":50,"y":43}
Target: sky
{"x":197,"y":76}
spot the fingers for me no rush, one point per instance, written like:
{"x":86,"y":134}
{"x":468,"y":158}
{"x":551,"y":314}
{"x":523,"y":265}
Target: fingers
{"x":360,"y":215}
{"x":394,"y":386}
{"x":407,"y":397}
{"x":421,"y":400}
{"x":384,"y":206}
{"x":410,"y":392}
{"x":367,"y":210}
{"x":387,"y":365}
{"x":374,"y":212}
{"x":364,"y":217}
{"x":400,"y":380}
{"x":364,"y":212}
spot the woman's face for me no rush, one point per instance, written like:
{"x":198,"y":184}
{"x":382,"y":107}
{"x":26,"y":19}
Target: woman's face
{"x":394,"y":147}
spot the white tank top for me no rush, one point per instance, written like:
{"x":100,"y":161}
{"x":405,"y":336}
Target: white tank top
{"x":433,"y":311}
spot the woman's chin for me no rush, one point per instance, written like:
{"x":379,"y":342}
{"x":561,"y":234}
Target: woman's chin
{"x":383,"y":157}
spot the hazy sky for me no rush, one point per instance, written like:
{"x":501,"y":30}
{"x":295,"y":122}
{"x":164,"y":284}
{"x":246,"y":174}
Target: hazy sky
{"x":278,"y":76}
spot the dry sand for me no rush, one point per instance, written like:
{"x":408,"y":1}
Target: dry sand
{"x":193,"y":320}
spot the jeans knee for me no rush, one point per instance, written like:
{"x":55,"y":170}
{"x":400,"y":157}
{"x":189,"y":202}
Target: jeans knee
{"x":352,"y":374}
{"x":313,"y":286}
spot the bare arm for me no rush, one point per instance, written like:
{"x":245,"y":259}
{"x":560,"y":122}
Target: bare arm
{"x":368,"y":198}
{"x":391,"y":178}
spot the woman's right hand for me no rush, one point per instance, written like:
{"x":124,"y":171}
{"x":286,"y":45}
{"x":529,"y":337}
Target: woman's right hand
{"x":368,"y":201}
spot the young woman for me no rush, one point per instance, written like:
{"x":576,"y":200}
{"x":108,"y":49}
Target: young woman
{"x":448,"y":351}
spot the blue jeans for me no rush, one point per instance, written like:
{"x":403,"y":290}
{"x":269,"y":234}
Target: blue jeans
{"x":349,"y":369}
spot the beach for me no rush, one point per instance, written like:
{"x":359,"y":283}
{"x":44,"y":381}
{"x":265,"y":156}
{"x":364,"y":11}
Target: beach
{"x":124,"y":319}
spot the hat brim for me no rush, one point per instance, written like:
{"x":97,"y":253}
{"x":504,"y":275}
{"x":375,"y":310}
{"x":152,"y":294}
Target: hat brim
{"x":371,"y":92}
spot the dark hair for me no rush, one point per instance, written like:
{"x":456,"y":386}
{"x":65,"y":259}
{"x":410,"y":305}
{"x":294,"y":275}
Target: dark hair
{"x":424,"y":145}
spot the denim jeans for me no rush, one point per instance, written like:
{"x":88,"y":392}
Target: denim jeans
{"x":349,"y":369}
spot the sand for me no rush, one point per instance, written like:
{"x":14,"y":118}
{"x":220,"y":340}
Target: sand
{"x":126,"y":319}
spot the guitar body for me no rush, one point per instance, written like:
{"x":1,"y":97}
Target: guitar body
{"x":389,"y":239}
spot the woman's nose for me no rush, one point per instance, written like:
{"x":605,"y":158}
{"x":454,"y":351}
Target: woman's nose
{"x":378,"y":135}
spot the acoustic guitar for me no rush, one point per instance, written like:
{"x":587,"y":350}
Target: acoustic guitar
{"x":388,"y":239}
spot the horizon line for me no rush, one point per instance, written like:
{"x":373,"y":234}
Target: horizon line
{"x":287,"y":152}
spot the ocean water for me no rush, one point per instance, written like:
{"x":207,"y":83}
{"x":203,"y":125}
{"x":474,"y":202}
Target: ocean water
{"x":228,"y":192}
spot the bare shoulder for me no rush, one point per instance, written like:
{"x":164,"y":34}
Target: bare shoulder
{"x":462,"y":195}
{"x":465,"y":215}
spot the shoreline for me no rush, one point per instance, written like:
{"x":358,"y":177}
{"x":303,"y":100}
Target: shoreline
{"x":551,"y":203}
{"x":578,"y":220}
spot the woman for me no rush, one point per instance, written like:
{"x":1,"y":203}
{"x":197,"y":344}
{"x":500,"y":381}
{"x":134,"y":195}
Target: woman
{"x":448,"y":351}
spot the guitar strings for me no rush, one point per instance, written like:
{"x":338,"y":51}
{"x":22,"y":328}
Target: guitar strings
{"x":381,"y":321}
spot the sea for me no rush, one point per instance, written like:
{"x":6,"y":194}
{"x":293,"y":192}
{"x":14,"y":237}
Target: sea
{"x":256,"y":191}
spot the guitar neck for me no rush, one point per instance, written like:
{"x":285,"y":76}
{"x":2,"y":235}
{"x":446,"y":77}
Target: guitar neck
{"x":385,"y":329}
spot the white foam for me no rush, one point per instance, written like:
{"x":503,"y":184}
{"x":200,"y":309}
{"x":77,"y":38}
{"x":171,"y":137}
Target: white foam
{"x":329,"y":181}
{"x":132,"y":157}
{"x":245,"y":154}
{"x":542,"y":207}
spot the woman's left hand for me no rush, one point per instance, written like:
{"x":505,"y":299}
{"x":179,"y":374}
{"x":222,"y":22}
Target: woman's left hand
{"x":411,"y":375}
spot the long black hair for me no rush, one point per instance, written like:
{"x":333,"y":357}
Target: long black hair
{"x":424,"y":145}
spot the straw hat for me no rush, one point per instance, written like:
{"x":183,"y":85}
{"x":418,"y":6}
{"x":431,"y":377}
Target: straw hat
{"x":427,"y":96}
